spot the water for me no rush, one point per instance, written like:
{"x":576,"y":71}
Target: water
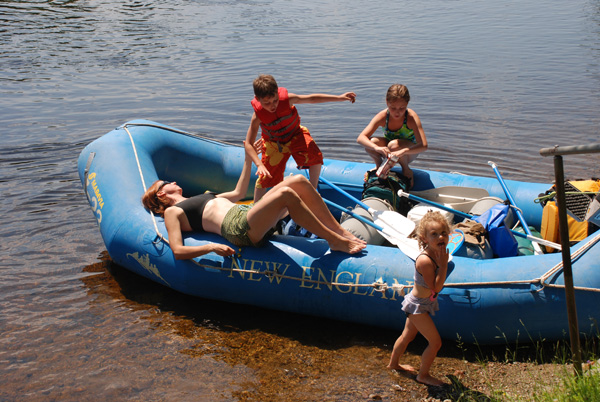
{"x":490,"y":81}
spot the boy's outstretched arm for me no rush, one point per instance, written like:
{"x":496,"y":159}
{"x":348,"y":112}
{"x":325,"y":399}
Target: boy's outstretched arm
{"x":249,"y":146}
{"x":321,"y":98}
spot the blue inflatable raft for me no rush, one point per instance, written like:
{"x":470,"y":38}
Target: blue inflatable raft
{"x":485,"y":300}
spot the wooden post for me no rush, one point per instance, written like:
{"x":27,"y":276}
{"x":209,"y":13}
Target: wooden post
{"x":567,"y":268}
{"x":559,"y":176}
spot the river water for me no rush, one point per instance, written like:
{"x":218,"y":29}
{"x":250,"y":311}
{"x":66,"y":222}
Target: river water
{"x":490,"y":80}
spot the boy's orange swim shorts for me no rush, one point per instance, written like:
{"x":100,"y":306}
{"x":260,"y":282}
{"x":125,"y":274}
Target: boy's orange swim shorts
{"x":302,"y":147}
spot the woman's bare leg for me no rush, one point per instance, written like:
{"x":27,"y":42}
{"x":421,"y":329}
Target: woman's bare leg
{"x":315,"y":203}
{"x":265,"y":214}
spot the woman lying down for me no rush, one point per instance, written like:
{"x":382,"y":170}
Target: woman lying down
{"x":244,"y":225}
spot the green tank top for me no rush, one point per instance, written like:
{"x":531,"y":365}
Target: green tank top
{"x":403,"y":133}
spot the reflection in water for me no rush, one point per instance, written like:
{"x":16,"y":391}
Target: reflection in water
{"x":272,"y":354}
{"x":271,"y":344}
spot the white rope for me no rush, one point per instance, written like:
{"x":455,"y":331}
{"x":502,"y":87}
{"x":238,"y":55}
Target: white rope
{"x":378,"y":286}
{"x":137,"y":160}
{"x":542,"y":279}
{"x":574,"y":257}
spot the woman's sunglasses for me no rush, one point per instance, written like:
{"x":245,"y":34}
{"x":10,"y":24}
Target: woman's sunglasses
{"x":164,"y":183}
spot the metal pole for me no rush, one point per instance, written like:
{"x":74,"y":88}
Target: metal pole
{"x":571,"y":150}
{"x":567,"y":268}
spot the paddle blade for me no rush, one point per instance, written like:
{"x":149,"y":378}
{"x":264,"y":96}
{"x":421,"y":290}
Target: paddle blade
{"x":393,"y":221}
{"x":410,"y":247}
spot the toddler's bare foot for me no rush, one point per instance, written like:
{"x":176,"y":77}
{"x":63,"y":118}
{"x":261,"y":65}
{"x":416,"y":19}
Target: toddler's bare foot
{"x":402,"y":367}
{"x":429,"y":380}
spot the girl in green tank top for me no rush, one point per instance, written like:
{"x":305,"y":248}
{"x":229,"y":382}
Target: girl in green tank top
{"x":403,"y":137}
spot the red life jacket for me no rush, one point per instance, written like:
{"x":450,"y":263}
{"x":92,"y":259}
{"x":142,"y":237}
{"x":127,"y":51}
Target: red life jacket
{"x":282,"y":125}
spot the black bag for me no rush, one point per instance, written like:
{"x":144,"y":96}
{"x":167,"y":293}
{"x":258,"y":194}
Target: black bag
{"x":387,"y":189}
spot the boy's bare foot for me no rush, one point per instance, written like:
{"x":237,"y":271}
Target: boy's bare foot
{"x":402,"y":367}
{"x":429,"y":380}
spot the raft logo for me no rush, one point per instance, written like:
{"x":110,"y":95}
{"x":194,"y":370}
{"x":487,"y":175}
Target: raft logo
{"x":144,"y":261}
{"x":96,"y":201}
{"x":315,"y":278}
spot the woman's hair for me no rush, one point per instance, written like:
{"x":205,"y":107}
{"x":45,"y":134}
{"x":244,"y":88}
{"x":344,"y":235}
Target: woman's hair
{"x":429,"y":217}
{"x":151,"y":200}
{"x":265,"y":85}
{"x":397,"y":92}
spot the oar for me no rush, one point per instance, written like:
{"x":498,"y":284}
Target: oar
{"x":410,"y":247}
{"x":453,"y":194}
{"x":467,"y":216}
{"x":536,"y":246}
{"x":392,"y":221}
{"x":461,"y":198}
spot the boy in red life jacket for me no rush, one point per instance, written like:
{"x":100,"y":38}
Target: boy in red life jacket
{"x":281,"y":133}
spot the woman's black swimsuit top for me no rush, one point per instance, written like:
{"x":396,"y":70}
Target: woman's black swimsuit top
{"x":193,"y":208}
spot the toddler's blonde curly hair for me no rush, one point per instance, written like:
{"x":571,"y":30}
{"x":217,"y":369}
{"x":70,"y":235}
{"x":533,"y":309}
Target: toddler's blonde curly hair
{"x":430,"y":216}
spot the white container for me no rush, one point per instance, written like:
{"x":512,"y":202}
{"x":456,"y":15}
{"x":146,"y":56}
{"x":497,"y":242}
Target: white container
{"x":385,"y":168}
